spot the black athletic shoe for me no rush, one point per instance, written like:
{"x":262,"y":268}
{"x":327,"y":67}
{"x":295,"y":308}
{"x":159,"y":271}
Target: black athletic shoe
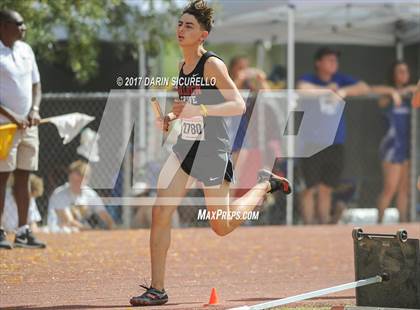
{"x":152,"y":297}
{"x":4,"y":244}
{"x":276,"y":182}
{"x":28,"y":240}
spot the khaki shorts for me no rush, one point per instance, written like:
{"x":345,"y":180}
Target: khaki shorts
{"x":23,"y":154}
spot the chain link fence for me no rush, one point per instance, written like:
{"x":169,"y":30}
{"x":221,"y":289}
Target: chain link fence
{"x":142,"y":159}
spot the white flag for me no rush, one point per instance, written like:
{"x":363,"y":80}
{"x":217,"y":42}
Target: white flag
{"x":69,"y":125}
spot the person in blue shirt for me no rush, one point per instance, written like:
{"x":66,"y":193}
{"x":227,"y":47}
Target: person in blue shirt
{"x":322,"y":171}
{"x":395,"y":145}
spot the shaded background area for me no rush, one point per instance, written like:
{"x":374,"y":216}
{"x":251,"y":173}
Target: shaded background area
{"x":365,"y":128}
{"x":118,"y":31}
{"x":369,"y":63}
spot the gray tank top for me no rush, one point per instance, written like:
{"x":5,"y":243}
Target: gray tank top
{"x":202,"y":136}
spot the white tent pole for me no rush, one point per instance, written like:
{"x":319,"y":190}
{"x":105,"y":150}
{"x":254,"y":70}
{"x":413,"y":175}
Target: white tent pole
{"x":290,"y":105}
{"x":414,"y":162}
{"x":126,"y":210}
{"x":414,"y":166}
{"x":260,"y":107}
{"x":260,"y":55}
{"x":399,"y":50}
{"x":143,"y":108}
{"x":139,"y":141}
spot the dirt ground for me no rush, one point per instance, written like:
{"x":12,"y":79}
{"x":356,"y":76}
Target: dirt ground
{"x":102,"y":269}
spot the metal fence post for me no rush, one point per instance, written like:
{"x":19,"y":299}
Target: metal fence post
{"x":413,"y":169}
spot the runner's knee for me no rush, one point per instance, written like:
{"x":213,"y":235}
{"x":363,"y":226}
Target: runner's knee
{"x":162,"y":214}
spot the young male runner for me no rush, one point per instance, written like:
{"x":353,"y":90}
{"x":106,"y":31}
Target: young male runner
{"x":202,"y":149}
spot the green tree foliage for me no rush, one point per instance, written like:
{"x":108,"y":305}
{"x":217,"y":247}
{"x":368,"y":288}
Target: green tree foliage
{"x":68,"y":31}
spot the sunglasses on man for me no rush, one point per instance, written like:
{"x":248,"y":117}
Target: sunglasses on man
{"x":16,"y":22}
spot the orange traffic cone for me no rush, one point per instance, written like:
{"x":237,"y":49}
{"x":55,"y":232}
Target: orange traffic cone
{"x":214,"y":300}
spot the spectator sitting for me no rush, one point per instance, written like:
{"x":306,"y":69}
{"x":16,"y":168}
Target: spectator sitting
{"x":75,"y":205}
{"x":10,"y":215}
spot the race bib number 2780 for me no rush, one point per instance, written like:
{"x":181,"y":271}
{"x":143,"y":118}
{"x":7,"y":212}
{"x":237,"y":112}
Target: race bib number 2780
{"x":192,"y":128}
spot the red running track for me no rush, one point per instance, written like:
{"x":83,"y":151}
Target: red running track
{"x":102,"y":269}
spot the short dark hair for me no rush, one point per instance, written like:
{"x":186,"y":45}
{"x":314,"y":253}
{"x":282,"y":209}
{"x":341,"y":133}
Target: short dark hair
{"x":324,"y":51}
{"x":6,"y":15}
{"x":202,"y":12}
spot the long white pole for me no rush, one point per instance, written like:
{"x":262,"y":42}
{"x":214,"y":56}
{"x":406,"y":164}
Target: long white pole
{"x":325,"y":291}
{"x":290,"y":104}
{"x":143,"y":106}
{"x":399,"y":50}
{"x":126,"y":210}
{"x":414,"y":165}
{"x":414,"y":160}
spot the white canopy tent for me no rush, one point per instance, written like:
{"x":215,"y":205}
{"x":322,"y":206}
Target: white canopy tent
{"x":343,"y":22}
{"x":377,"y":23}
